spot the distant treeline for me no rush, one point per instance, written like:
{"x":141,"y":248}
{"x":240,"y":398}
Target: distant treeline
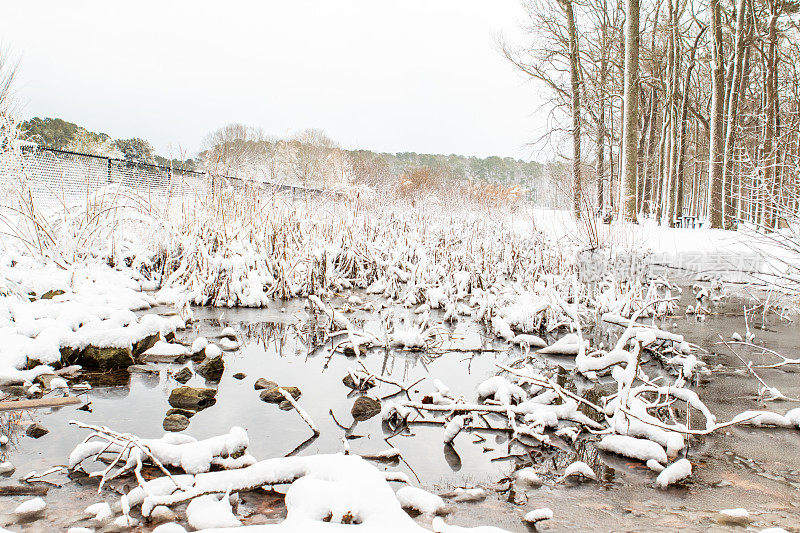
{"x":309,"y":158}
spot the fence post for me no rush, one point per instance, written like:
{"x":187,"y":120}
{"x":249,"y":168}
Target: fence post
{"x":108,"y":180}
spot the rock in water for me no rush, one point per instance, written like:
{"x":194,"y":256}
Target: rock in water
{"x":240,"y":376}
{"x":264,"y":383}
{"x":188,"y":413}
{"x":211,"y":368}
{"x":36,"y":430}
{"x":273,"y":395}
{"x":192,"y":397}
{"x":175,"y":422}
{"x":44,"y":380}
{"x":365,"y":408}
{"x":108,"y":358}
{"x":139,"y":347}
{"x":183,"y":375}
{"x":350,"y":382}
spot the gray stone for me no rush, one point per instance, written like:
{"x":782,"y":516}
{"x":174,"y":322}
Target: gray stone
{"x":44,"y":380}
{"x":188,"y":413}
{"x":183,"y":375}
{"x":107,"y":358}
{"x":365,"y":408}
{"x":36,"y":430}
{"x":273,"y":395}
{"x":175,"y":422}
{"x":211,"y":368}
{"x":264,"y":383}
{"x":192,"y":397}
{"x":141,"y":346}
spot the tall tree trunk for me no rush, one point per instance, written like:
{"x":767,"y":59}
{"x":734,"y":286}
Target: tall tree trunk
{"x":683,"y":141}
{"x":770,"y":130}
{"x":574,"y":74}
{"x":631,"y":109}
{"x":716,"y":139}
{"x":733,"y":111}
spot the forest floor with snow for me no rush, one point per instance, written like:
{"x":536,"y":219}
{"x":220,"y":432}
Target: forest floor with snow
{"x":250,"y":361}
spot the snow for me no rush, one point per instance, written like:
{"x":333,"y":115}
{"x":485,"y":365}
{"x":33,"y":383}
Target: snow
{"x":567,"y":345}
{"x":30,"y":507}
{"x":737,"y":516}
{"x":579,"y":469}
{"x":211,"y":511}
{"x":461,"y":494}
{"x":420,"y":500}
{"x":537,"y":515}
{"x":677,"y":471}
{"x":169,"y":528}
{"x":212,"y":350}
{"x":453,"y":428}
{"x":167,"y":349}
{"x":199,"y":345}
{"x":100,"y":512}
{"x":176,"y":450}
{"x":501,"y":390}
{"x":528,"y":476}
{"x":641,"y":449}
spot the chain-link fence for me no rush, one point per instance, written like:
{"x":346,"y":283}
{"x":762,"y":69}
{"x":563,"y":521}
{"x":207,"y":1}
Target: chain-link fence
{"x":59,"y":179}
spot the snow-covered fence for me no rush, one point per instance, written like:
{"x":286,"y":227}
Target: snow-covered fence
{"x":58,"y":179}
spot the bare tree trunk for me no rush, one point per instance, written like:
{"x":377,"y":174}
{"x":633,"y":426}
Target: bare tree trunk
{"x":682,"y":143}
{"x":716,"y":139}
{"x":630,"y":145}
{"x":574,"y":74}
{"x":733,"y":111}
{"x":770,"y":131}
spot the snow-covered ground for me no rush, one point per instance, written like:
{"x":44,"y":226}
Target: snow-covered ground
{"x":71,"y":290}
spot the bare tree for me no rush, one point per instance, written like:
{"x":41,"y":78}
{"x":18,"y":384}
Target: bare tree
{"x":630,"y":151}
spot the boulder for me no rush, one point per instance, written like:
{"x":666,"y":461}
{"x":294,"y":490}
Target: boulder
{"x":365,"y":408}
{"x":107,"y":358}
{"x":192,"y":397}
{"x":175,"y":422}
{"x":211,"y":368}
{"x":69,"y":355}
{"x":36,"y":430}
{"x":183,"y":375}
{"x":141,"y":346}
{"x":273,"y":395}
{"x":263,"y":383}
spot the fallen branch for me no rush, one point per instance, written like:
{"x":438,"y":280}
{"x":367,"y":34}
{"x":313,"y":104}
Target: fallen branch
{"x":300,"y":411}
{"x":38,"y":403}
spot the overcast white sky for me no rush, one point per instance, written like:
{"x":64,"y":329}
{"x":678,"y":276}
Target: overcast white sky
{"x":410,"y":75}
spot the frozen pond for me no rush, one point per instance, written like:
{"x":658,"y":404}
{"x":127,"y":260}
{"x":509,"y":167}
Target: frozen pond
{"x":754,"y":468}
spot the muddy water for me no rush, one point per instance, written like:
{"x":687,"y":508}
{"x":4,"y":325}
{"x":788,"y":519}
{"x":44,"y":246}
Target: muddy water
{"x":758,"y":469}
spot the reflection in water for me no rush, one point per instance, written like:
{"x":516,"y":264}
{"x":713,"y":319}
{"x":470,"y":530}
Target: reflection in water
{"x":452,"y":457}
{"x":295,"y":353}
